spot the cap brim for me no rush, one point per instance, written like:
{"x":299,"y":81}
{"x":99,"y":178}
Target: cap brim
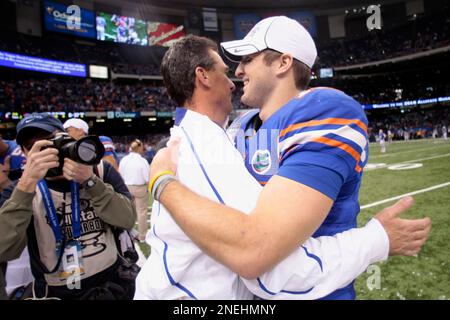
{"x":45,"y":127}
{"x":235,"y":50}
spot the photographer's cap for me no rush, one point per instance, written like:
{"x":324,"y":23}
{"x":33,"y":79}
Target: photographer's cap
{"x":42,"y":121}
{"x":281,"y":34}
{"x":78,"y":124}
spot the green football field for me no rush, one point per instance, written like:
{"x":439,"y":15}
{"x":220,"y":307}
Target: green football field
{"x":426,"y":276}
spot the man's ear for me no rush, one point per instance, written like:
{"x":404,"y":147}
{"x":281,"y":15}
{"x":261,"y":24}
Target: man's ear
{"x":285,"y":63}
{"x":202,"y":76}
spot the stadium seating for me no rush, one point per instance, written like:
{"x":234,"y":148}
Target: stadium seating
{"x":389,"y":43}
{"x":41,"y":95}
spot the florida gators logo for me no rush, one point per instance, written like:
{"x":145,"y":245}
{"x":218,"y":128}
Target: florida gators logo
{"x":261,"y":161}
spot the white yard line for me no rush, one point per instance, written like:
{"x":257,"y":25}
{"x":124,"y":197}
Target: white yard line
{"x":412,"y":141}
{"x":431,"y":147}
{"x":409,"y":161}
{"x":373,"y":204}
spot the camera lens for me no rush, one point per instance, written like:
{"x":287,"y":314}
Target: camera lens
{"x":87,"y":151}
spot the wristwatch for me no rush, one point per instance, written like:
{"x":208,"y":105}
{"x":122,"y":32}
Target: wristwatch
{"x":89,"y":183}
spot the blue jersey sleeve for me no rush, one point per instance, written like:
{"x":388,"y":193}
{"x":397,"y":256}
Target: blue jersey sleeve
{"x":314,"y":170}
{"x":323,"y":141}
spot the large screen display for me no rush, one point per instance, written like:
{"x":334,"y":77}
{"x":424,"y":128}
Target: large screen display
{"x":163,"y":34}
{"x":243,"y":23}
{"x":326,"y":73}
{"x":100,"y":72}
{"x":69,"y":19}
{"x":111,"y":27}
{"x":19,"y":61}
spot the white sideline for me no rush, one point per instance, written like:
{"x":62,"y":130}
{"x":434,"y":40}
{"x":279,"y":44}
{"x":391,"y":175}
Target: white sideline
{"x":373,"y":204}
{"x":430,"y":147}
{"x":409,"y":161}
{"x":412,"y":141}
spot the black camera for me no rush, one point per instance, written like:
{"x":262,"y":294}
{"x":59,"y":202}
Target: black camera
{"x":88,"y":150}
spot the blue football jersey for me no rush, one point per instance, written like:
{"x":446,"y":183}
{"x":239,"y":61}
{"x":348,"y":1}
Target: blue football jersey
{"x":318,"y":139}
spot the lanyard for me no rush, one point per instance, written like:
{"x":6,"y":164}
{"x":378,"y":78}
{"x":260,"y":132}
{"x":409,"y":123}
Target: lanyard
{"x":51,"y":211}
{"x":75,"y":205}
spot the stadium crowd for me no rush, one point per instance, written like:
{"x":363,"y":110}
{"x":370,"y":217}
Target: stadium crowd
{"x":392,"y":87}
{"x":41,"y":95}
{"x":389,"y":43}
{"x":49,"y":95}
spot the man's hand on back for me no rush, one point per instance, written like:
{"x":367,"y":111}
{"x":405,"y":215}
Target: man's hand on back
{"x":166,"y":159}
{"x":406,"y":236}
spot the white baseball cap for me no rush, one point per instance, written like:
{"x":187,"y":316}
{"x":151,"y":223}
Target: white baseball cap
{"x":77,"y":123}
{"x":279,"y":33}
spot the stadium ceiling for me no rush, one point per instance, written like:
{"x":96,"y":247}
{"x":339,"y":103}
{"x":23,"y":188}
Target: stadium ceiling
{"x":235,"y":5}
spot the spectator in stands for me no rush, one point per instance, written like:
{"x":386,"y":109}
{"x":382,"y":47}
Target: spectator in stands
{"x":76,"y":95}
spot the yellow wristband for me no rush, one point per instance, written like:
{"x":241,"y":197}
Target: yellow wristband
{"x":152,"y":182}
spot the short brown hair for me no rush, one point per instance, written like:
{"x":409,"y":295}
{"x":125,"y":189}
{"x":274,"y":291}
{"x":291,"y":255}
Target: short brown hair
{"x":302,"y":73}
{"x":179,"y":64}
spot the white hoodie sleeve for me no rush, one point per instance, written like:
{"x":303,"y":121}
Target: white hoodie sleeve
{"x":324,"y":264}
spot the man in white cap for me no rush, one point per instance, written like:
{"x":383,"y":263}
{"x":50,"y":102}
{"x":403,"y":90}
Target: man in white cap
{"x":263,"y":245}
{"x":78,"y":128}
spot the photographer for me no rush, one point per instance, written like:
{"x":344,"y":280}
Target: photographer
{"x":72,"y":247}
